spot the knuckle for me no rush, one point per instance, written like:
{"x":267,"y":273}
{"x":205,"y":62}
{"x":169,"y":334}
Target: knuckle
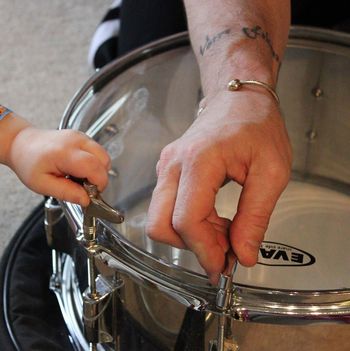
{"x":168,"y":152}
{"x":153,"y":230}
{"x":197,"y":151}
{"x":257,"y":219}
{"x":168,"y":161}
{"x":70,"y":134}
{"x":180,"y":223}
{"x":260,"y":222}
{"x":278,"y":172}
{"x":93,"y":164}
{"x":63,"y":141}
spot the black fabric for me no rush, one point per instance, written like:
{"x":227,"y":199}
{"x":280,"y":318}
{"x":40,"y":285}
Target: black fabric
{"x":143,"y":21}
{"x":192,"y":333}
{"x":112,"y":14}
{"x":325,"y":14}
{"x":34,"y":315}
{"x":107,"y":52}
{"x":135,"y":338}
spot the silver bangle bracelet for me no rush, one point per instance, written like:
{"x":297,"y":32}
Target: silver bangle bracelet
{"x":236,"y":84}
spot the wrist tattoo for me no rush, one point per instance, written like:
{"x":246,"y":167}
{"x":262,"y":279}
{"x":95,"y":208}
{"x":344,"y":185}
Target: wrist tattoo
{"x":209,"y":41}
{"x":257,"y":31}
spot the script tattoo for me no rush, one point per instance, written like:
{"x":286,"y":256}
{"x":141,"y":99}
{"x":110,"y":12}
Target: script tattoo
{"x":210,"y":41}
{"x":257,"y":31}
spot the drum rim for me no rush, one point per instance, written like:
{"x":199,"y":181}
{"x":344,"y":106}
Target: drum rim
{"x":299,"y":36}
{"x":321,"y":35}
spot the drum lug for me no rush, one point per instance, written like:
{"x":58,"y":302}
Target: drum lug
{"x":53,"y":216}
{"x":97,"y":208}
{"x":224,"y":301}
{"x":100,"y":311}
{"x":225,"y":293}
{"x":99,"y":298}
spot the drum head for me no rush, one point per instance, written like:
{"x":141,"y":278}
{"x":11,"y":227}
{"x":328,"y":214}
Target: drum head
{"x":148,"y":99}
{"x":142,"y":102}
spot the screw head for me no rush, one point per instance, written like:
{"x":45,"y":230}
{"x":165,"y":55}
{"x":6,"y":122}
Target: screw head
{"x":317,"y":92}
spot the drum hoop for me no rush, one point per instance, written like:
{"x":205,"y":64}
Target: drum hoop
{"x":313,"y":303}
{"x":104,"y":75}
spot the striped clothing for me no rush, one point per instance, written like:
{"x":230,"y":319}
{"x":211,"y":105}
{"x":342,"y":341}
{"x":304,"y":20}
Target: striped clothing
{"x":132,"y":23}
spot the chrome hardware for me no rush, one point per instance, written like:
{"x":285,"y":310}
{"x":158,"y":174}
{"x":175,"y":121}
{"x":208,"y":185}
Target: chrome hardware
{"x":97,"y":297}
{"x":311,"y":135}
{"x":226,"y":287}
{"x":225,"y":293}
{"x":224,"y":301}
{"x":112,"y":129}
{"x":229,"y":345}
{"x":317,"y":92}
{"x":97,"y":208}
{"x":113,"y":173}
{"x":99,"y":311}
{"x":53,"y":215}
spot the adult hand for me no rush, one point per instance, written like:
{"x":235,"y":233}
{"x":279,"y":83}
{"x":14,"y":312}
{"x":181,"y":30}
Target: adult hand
{"x":42,"y":159}
{"x":239,"y":136}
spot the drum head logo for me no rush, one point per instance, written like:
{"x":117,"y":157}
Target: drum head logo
{"x":278,"y":254}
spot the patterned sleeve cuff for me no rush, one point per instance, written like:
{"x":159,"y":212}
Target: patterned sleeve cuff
{"x":4,"y":111}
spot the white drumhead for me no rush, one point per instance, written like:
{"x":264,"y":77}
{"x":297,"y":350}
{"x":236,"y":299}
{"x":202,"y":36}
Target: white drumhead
{"x":138,"y":107}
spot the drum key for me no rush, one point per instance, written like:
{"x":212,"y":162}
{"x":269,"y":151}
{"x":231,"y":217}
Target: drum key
{"x":99,"y":295}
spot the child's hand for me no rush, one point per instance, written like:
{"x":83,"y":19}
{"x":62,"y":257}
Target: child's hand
{"x":42,"y":159}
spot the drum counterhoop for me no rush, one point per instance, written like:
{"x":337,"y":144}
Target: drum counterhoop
{"x":137,"y":105}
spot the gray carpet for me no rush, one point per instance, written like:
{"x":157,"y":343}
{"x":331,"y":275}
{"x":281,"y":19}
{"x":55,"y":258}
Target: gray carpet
{"x":43,"y":61}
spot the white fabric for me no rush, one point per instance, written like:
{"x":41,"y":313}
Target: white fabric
{"x":116,"y":3}
{"x":105,"y":31}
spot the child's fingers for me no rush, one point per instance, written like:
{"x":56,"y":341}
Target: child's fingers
{"x":63,"y":189}
{"x":96,"y":149}
{"x":82,"y":164}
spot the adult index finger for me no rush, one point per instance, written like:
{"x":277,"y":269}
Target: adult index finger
{"x":195,"y":218}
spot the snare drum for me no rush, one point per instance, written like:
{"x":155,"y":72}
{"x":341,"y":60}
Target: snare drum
{"x":140,"y":103}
